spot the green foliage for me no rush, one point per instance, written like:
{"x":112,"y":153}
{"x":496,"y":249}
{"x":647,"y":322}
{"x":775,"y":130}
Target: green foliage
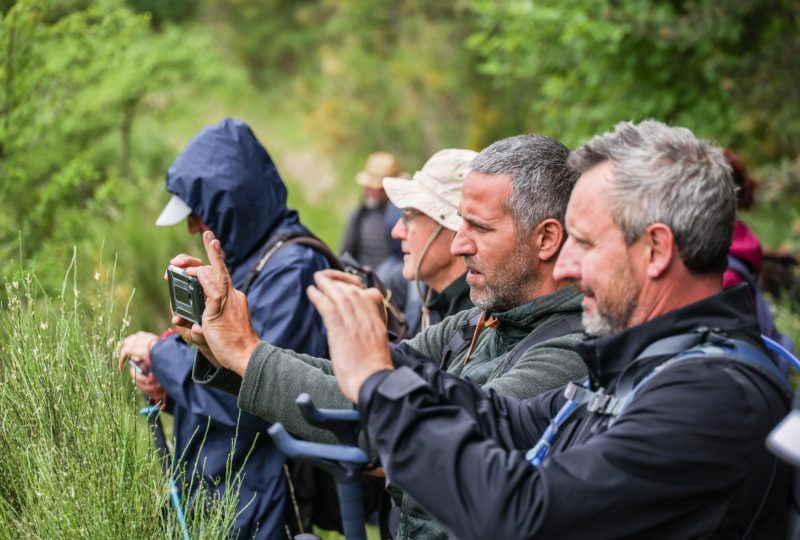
{"x":73,"y":85}
{"x":396,"y":75}
{"x":787,"y":321}
{"x":362,"y":75}
{"x":776,"y":216}
{"x":75,"y":461}
{"x":272,"y":37}
{"x":392,"y":77}
{"x":161,"y":12}
{"x":715,"y":67}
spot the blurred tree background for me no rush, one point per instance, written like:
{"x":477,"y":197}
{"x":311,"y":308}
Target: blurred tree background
{"x":98,"y":96}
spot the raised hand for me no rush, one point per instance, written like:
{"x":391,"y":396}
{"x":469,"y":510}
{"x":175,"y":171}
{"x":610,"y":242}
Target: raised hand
{"x":226,"y":337}
{"x":355,"y":320}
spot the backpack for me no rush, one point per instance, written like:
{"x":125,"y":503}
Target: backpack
{"x":395,"y":319}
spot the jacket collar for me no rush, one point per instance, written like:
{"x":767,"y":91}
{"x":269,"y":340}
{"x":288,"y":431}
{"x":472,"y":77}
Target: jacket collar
{"x":567,"y":299}
{"x":452,"y":294}
{"x":730,"y":312}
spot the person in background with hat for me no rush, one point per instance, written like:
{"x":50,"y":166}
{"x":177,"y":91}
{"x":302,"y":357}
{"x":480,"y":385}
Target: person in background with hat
{"x":429,"y":222}
{"x":366,"y":237}
{"x":225,"y":181}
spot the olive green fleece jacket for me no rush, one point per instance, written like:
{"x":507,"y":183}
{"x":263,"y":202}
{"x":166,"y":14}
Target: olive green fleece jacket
{"x":274,"y":377}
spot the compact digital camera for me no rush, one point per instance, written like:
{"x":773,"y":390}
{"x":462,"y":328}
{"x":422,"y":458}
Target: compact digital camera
{"x":185,"y":295}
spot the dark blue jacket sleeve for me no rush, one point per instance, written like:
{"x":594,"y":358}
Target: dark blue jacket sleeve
{"x":172,"y":361}
{"x":670,"y":464}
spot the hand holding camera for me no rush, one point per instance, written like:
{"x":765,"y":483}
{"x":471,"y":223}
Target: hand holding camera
{"x":187,"y":300}
{"x":226,"y":336}
{"x":185,"y":295}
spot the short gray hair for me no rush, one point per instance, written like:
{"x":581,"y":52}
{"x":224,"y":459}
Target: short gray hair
{"x":666,"y":175}
{"x":541,"y":182}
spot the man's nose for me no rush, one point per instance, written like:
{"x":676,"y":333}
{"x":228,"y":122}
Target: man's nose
{"x":462,"y":244}
{"x":568,"y":264}
{"x":399,"y":231}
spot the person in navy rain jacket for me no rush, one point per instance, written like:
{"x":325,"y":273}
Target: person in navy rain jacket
{"x":226,"y":182}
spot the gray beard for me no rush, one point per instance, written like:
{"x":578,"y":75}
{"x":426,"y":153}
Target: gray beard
{"x":597,"y":325}
{"x":506,"y":293}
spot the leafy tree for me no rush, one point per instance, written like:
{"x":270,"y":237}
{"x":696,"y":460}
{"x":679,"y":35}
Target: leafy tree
{"x":273,"y":37}
{"x":161,"y":12}
{"x":392,"y":76}
{"x":727,"y":69}
{"x":73,"y":85}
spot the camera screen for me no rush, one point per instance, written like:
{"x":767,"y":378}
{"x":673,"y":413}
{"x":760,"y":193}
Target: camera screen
{"x":183,"y":296}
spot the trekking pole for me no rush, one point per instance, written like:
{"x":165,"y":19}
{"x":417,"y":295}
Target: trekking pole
{"x":343,"y":461}
{"x":153,"y":413}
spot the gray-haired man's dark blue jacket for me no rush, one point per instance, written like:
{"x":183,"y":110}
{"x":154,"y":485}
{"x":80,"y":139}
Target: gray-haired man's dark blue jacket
{"x":686,"y":459}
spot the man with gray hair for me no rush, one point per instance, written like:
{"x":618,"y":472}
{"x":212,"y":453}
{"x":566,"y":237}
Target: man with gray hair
{"x":664,"y":439}
{"x":518,"y":342}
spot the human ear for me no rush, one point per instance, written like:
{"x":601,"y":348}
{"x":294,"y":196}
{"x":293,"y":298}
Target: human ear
{"x":549,"y":235}
{"x":659,"y":248}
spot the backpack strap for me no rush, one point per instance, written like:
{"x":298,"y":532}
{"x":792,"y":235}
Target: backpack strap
{"x":727,"y":349}
{"x":743,"y":269}
{"x":763,"y":311}
{"x":675,"y":349}
{"x":279,"y":240}
{"x":561,"y":327}
{"x":460,"y":340}
{"x":395,"y":320}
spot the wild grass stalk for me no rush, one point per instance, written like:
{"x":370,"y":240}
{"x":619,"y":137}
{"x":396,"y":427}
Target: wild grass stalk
{"x":75,"y":461}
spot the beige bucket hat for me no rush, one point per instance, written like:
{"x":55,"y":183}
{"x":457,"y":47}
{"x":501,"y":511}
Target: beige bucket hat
{"x":436,"y":189}
{"x":379,"y":165}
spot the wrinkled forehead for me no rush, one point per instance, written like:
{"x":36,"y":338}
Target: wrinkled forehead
{"x":486,"y":194}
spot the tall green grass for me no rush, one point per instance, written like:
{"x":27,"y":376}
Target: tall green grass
{"x":75,"y":461}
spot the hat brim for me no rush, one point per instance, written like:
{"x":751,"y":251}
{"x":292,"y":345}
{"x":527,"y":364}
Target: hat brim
{"x":368,"y":180}
{"x":412,"y":194}
{"x":784,"y":439}
{"x":174,"y":212}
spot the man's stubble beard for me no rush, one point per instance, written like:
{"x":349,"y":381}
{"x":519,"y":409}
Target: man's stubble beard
{"x":510,"y":284}
{"x":614,"y":311}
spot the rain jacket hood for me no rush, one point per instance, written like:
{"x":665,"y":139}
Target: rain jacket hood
{"x":228,"y":179}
